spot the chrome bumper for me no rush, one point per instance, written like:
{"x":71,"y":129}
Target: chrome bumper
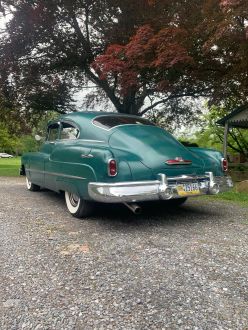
{"x":163,"y":188}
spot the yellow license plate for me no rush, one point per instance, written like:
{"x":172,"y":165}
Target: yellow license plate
{"x":188,"y":189}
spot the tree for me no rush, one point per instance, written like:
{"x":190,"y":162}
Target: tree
{"x":227,"y":40}
{"x":17,"y":136}
{"x":26,"y":143}
{"x":51,"y":49}
{"x":209,"y":60}
{"x":7,"y":142}
{"x":140,"y":55}
{"x":211,"y":135}
{"x":150,"y":64}
{"x":18,"y":121}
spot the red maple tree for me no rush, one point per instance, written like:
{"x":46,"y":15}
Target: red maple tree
{"x":146,"y":57}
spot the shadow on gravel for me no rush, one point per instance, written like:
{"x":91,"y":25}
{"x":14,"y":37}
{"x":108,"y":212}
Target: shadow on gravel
{"x":153,"y":213}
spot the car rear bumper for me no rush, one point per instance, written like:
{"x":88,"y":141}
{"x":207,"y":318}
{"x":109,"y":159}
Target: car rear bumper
{"x":163,"y":188}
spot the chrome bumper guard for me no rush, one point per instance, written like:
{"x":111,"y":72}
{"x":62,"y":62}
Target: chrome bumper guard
{"x":163,"y":188}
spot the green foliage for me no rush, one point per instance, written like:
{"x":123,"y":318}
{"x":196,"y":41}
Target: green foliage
{"x":208,"y":139}
{"x":18,"y":143}
{"x":211,"y":135}
{"x":238,"y":167}
{"x":27,"y":143}
{"x":237,"y":138}
{"x":8,"y":143}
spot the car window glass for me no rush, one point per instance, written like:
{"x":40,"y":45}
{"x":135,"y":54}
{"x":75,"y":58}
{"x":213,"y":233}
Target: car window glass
{"x":53,"y":132}
{"x":109,"y":122}
{"x":69,"y":132}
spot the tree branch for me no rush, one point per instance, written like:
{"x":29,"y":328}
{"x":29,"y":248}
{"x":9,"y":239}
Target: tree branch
{"x":87,"y":24}
{"x":153,"y":105}
{"x":233,"y":135}
{"x":84,"y":40}
{"x":104,"y":85}
{"x":141,"y":98}
{"x":170,"y":98}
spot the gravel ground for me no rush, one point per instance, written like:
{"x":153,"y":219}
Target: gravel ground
{"x":165,"y":269}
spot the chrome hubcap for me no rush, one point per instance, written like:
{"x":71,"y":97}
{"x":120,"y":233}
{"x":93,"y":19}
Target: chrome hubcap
{"x":28,"y":183}
{"x":74,"y":200}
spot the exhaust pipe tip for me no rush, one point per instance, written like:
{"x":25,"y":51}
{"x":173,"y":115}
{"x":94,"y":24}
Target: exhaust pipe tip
{"x":135,"y":208}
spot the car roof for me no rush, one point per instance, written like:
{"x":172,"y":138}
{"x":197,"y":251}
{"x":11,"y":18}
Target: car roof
{"x":83,"y":119}
{"x":92,"y":114}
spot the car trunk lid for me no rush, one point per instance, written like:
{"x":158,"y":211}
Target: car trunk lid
{"x":156,"y":149}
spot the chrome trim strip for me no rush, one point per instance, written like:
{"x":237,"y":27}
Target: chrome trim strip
{"x":55,"y":174}
{"x":109,"y":129}
{"x":163,"y":188}
{"x":178,"y":163}
{"x":87,"y":156}
{"x":88,"y":140}
{"x":187,"y":177}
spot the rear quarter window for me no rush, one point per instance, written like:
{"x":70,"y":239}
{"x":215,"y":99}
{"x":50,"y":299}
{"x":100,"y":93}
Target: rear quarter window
{"x":69,"y":132}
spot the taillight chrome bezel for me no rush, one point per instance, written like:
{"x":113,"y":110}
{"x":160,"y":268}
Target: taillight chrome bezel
{"x":178,"y":161}
{"x":224,"y":167}
{"x":109,"y":167}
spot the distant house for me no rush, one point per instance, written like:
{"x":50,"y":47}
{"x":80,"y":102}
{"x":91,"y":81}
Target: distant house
{"x":237,"y":118}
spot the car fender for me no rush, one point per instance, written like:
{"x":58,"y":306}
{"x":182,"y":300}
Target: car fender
{"x":212,"y":159}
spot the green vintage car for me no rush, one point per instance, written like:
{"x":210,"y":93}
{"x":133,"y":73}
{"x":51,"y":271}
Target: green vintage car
{"x":116,"y":158}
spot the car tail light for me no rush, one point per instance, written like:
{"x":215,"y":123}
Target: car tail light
{"x":112,"y":167}
{"x":224,"y":163}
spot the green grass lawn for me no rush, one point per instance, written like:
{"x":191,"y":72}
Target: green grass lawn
{"x":232,"y":196}
{"x":10,"y":166}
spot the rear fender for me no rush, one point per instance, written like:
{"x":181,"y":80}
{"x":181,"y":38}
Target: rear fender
{"x":99,"y":162}
{"x":212,"y":159}
{"x":131,"y":166}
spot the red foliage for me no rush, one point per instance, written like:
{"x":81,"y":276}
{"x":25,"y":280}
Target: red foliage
{"x":147,"y":50}
{"x":225,"y":4}
{"x":111,"y":61}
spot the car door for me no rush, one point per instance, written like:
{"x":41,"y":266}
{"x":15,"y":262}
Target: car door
{"x":61,"y":162}
{"x":50,"y":169}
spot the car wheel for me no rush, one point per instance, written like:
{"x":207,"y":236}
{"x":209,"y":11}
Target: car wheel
{"x":77,"y":206}
{"x":177,"y":201}
{"x":31,"y":186}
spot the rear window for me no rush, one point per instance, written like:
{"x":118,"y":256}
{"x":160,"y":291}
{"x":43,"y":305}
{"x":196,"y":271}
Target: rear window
{"x":108,"y":122}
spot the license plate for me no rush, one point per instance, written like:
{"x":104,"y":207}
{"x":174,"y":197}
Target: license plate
{"x":188,"y":189}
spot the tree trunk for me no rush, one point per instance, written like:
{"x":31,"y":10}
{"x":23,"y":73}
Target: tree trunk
{"x":129,"y":104}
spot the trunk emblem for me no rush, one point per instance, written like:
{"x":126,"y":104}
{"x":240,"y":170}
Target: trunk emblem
{"x":178,"y":161}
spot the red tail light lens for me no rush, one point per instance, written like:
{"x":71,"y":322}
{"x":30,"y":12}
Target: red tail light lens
{"x":224,"y":164}
{"x":112,"y":167}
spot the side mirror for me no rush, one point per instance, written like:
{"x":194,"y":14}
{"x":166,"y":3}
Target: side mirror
{"x":38,"y":137}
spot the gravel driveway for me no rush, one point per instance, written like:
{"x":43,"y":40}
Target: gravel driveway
{"x":165,"y":269}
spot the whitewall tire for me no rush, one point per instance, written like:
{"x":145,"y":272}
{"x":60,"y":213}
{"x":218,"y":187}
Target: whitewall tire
{"x":77,"y":206}
{"x":31,"y":186}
